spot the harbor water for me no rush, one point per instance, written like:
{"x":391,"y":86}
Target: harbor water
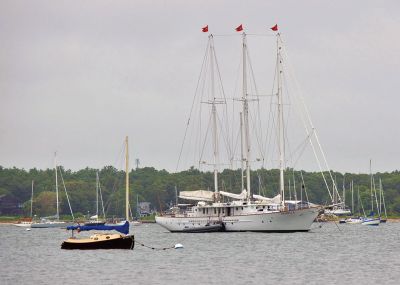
{"x":328,"y":254}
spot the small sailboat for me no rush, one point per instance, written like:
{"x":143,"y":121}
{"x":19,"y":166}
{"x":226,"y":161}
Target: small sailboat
{"x":54,"y":221}
{"x":354,"y":219}
{"x":120,"y":240}
{"x":94,"y":220}
{"x":26,"y":222}
{"x":371,"y":220}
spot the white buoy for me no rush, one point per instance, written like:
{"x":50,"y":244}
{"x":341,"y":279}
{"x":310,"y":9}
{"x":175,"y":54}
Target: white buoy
{"x":28,"y":229}
{"x":178,"y":246}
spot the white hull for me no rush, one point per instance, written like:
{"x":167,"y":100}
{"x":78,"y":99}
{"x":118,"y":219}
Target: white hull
{"x":338,"y":212}
{"x":354,"y":221}
{"x":50,"y":225}
{"x":23,"y":225}
{"x":288,"y":221}
{"x":371,"y":222}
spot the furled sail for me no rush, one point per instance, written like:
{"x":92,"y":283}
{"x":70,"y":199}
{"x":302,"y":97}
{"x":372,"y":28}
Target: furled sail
{"x":198,"y":195}
{"x":240,"y":196}
{"x":259,"y":197}
{"x":124,"y":228}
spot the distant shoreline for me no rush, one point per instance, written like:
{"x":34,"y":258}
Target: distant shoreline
{"x":10,"y":222}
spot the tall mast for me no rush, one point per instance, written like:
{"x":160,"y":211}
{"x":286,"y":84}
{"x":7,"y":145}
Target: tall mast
{"x":372,"y":195}
{"x":214,"y":115}
{"x":280,"y":124}
{"x":55,"y":169}
{"x":246,"y":118}
{"x":97,"y":195}
{"x":383,"y":197}
{"x":126,"y":179}
{"x":241,"y":150}
{"x":344,"y":191}
{"x":32,"y":200}
{"x":352,"y":197}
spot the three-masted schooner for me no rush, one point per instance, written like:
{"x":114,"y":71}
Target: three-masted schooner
{"x":246,"y":211}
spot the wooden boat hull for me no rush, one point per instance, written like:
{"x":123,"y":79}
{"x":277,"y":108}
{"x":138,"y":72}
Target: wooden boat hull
{"x":121,"y":242}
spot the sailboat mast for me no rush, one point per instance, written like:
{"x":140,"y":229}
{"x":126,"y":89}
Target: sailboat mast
{"x":280,"y":124}
{"x":55,"y":169}
{"x":372,"y":195}
{"x":241,"y":150}
{"x":97,"y":195}
{"x":214,"y":116}
{"x":352,"y":197}
{"x":126,"y":179}
{"x":246,"y":118}
{"x":383,"y":197}
{"x":32,"y":200}
{"x":344,"y":191}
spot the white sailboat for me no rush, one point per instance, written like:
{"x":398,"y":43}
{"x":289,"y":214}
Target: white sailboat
{"x":338,"y":208}
{"x":353,"y":219}
{"x":246,"y":211}
{"x":53,"y":221}
{"x":94,"y":220}
{"x":371,"y":220}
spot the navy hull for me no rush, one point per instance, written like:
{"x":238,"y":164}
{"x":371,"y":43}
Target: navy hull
{"x":123,"y":242}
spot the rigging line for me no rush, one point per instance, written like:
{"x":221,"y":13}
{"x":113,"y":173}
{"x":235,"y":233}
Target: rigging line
{"x":313,"y":147}
{"x":113,"y":190}
{"x":205,"y":141}
{"x":191,"y":108}
{"x":286,"y":124}
{"x":225,"y":101}
{"x":101,"y":199}
{"x":305,"y":188}
{"x":250,"y":65}
{"x":301,"y":147}
{"x":225,"y":137}
{"x":259,"y":144}
{"x":290,"y":68}
{"x":271,"y":116}
{"x":239,"y":34}
{"x":66,"y":193}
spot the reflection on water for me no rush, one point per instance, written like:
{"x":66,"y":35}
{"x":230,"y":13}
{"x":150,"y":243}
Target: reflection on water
{"x":354,"y":255}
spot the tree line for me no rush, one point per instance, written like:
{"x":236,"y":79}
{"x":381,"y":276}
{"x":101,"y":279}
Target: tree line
{"x":158,"y":188}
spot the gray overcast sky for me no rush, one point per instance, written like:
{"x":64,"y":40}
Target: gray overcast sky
{"x":77,"y":76}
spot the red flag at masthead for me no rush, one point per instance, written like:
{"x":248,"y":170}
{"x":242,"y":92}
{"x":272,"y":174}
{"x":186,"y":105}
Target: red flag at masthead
{"x":240,"y":28}
{"x":204,"y":29}
{"x":275,"y":28}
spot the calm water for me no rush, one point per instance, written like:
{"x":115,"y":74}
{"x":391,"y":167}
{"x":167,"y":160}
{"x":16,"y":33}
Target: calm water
{"x":355,"y":255}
